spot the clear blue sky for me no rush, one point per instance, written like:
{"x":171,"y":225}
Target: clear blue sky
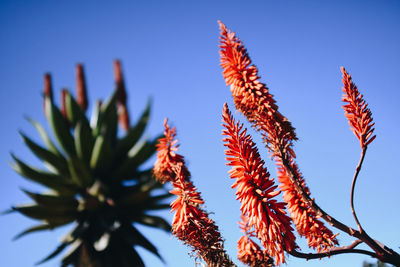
{"x":169,"y":50}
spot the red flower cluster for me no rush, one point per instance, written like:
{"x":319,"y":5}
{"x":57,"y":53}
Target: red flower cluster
{"x":252,"y":97}
{"x":123,"y":114}
{"x":318,"y":236}
{"x":81,"y":92}
{"x":357,"y":111}
{"x":47,"y":90}
{"x":249,"y":252}
{"x":191,"y":223}
{"x":167,"y":159}
{"x":256,"y":191}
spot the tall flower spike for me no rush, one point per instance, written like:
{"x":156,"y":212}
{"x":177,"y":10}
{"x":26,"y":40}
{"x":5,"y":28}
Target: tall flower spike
{"x":123,"y":114}
{"x":191,"y":223}
{"x":256,"y":191}
{"x":81,"y":92}
{"x":251,"y":97}
{"x":249,"y":252}
{"x":356,"y":111}
{"x":47,"y":90}
{"x":167,"y":157}
{"x":257,"y":104}
{"x":318,"y":236}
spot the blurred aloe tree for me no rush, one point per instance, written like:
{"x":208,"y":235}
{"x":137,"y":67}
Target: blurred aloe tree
{"x":94,"y":177}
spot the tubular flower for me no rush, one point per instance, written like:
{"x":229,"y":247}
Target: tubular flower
{"x":81,"y":92}
{"x":166,"y":156}
{"x":251,"y":97}
{"x":191,"y":223}
{"x":123,"y":115}
{"x":47,"y":90}
{"x":356,"y":111}
{"x":256,"y":191}
{"x":249,"y":252}
{"x":318,"y":236}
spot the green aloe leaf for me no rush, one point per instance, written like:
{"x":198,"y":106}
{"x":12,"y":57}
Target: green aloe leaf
{"x":57,"y":161}
{"x":152,"y":206}
{"x":137,"y":155}
{"x":84,"y":142}
{"x":139,"y":196}
{"x":134,"y":133}
{"x":101,"y":157}
{"x":49,"y":215}
{"x":153,"y":221}
{"x":157,"y":198}
{"x":136,"y":259}
{"x":71,"y":256}
{"x":94,"y":118}
{"x":36,"y":228}
{"x":55,"y":202}
{"x":66,"y":240}
{"x":50,"y":180}
{"x":107,"y":123}
{"x":57,"y":251}
{"x":45,"y":137}
{"x":134,"y":237}
{"x":125,"y":254}
{"x":60,"y":128}
{"x":80,"y":173}
{"x":74,"y":112}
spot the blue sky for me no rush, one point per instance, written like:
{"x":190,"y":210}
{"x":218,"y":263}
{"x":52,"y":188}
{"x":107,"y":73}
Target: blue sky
{"x":169,"y":51}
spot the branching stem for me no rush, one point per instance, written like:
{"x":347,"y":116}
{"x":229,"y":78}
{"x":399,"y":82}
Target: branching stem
{"x":381,"y":252}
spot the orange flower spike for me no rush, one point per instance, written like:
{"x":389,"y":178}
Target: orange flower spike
{"x":191,"y":223}
{"x":47,"y":90}
{"x":357,"y":111}
{"x":63,"y":109}
{"x":123,"y":114}
{"x":318,"y":236}
{"x":249,"y":252}
{"x":255,"y":190}
{"x":251,"y":97}
{"x":166,"y":156}
{"x":120,"y":84}
{"x":81,"y":92}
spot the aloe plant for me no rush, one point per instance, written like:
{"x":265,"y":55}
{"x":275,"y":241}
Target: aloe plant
{"x":94,"y":179}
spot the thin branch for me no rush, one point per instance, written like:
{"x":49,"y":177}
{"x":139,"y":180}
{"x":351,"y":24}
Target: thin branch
{"x":310,"y":256}
{"x":354,"y":244}
{"x":320,"y":212}
{"x":353,"y":185}
{"x":383,"y":253}
{"x":311,"y":203}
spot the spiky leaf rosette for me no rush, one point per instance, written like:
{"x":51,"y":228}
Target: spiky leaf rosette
{"x":95,"y":181}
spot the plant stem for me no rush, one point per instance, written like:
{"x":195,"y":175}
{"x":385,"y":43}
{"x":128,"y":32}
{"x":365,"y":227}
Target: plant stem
{"x":353,"y":185}
{"x":382,"y":252}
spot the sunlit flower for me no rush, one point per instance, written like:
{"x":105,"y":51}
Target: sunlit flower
{"x":191,"y":223}
{"x":256,"y":191}
{"x":249,"y":252}
{"x":251,"y":97}
{"x":318,"y":236}
{"x":356,"y":111}
{"x":167,"y":157}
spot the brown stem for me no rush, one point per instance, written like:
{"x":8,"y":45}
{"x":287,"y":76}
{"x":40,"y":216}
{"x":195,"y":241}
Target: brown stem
{"x":310,"y":256}
{"x":353,"y":185}
{"x":311,"y":203}
{"x":382,"y":252}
